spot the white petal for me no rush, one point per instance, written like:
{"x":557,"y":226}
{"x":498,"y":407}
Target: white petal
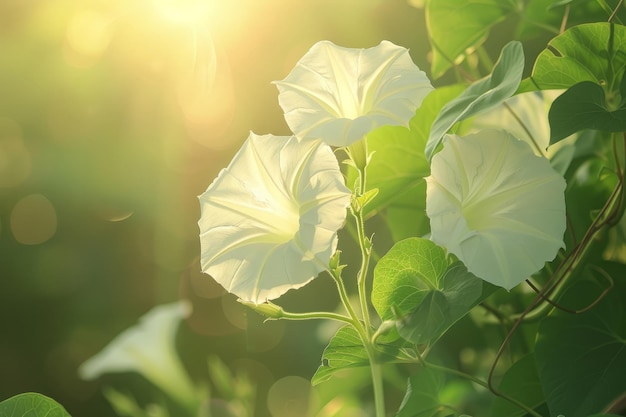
{"x":148,"y":348}
{"x":340,"y":94}
{"x":269,"y":221}
{"x":496,"y":205}
{"x":525,"y":116}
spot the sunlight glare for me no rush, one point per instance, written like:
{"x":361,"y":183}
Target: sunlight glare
{"x":184,"y":11}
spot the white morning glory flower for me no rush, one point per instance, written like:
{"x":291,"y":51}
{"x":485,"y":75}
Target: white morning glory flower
{"x":269,"y":221}
{"x":495,"y":205}
{"x":149,"y":348}
{"x":339,"y":94}
{"x":526,"y":118}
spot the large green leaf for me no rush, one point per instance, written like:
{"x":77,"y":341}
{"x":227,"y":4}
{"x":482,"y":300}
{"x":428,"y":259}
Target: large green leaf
{"x":521,"y":382}
{"x":31,"y":404}
{"x":346,"y":350}
{"x":398,"y":164}
{"x":406,"y":216}
{"x":591,"y":52}
{"x":482,"y":95}
{"x":581,"y":358}
{"x":422,"y":394}
{"x":584,"y":106}
{"x":454,"y":26}
{"x":406,"y":209}
{"x":546,"y":16}
{"x":415,"y":284}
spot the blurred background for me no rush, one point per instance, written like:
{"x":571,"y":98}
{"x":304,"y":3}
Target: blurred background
{"x":114,"y":116}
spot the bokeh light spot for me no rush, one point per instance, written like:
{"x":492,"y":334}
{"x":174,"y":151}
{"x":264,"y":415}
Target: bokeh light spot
{"x":235,"y":312}
{"x":33,"y":220}
{"x":15,"y":161}
{"x":289,"y":396}
{"x":88,"y":36}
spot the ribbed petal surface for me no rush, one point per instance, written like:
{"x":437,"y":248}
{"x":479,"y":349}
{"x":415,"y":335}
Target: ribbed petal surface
{"x":495,"y":205}
{"x":269,"y":221}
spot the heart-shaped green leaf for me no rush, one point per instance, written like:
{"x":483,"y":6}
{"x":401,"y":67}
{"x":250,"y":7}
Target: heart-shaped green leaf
{"x":581,"y":358}
{"x":31,"y":404}
{"x":584,"y":106}
{"x":521,"y":382}
{"x":346,"y":350}
{"x":415,"y":284}
{"x":482,"y":95}
{"x":422,"y":394}
{"x":590,"y":52}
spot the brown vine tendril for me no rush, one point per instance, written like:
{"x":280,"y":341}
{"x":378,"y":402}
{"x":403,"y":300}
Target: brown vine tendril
{"x":588,"y":307}
{"x":565,"y":18}
{"x":615,"y":10}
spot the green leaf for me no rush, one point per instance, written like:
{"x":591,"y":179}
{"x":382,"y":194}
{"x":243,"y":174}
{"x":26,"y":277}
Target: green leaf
{"x":459,"y":292}
{"x":31,"y":404}
{"x":581,"y":358}
{"x":546,"y":16}
{"x":584,"y":106}
{"x":398,"y":164}
{"x":482,"y":95}
{"x":422,"y":394}
{"x":406,"y":216}
{"x":346,"y":350}
{"x":415,"y":284}
{"x":521,"y":382}
{"x":454,"y":26}
{"x":593,"y":52}
{"x":604,"y":415}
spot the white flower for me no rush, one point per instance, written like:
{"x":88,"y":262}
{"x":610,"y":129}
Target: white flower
{"x":340,"y":94}
{"x":269,"y":221}
{"x":495,"y":205}
{"x":149,"y":348}
{"x":525,"y":116}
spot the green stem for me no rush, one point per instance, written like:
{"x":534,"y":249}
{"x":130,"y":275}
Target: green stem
{"x":359,"y":155}
{"x":315,"y":315}
{"x":362,"y":278}
{"x":377,"y":381}
{"x":607,"y":8}
{"x":345,"y":300}
{"x":524,"y":127}
{"x":484,"y":59}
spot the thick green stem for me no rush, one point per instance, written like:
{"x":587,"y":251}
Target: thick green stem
{"x":377,"y":381}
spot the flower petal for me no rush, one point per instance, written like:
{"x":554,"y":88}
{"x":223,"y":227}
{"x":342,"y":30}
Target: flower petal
{"x":495,"y":205}
{"x":148,"y":348}
{"x":525,"y":116}
{"x":340,"y":94}
{"x":269,"y":221}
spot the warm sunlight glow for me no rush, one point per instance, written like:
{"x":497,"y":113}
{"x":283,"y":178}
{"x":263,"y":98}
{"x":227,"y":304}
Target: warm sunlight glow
{"x":184,"y":11}
{"x":88,"y":35}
